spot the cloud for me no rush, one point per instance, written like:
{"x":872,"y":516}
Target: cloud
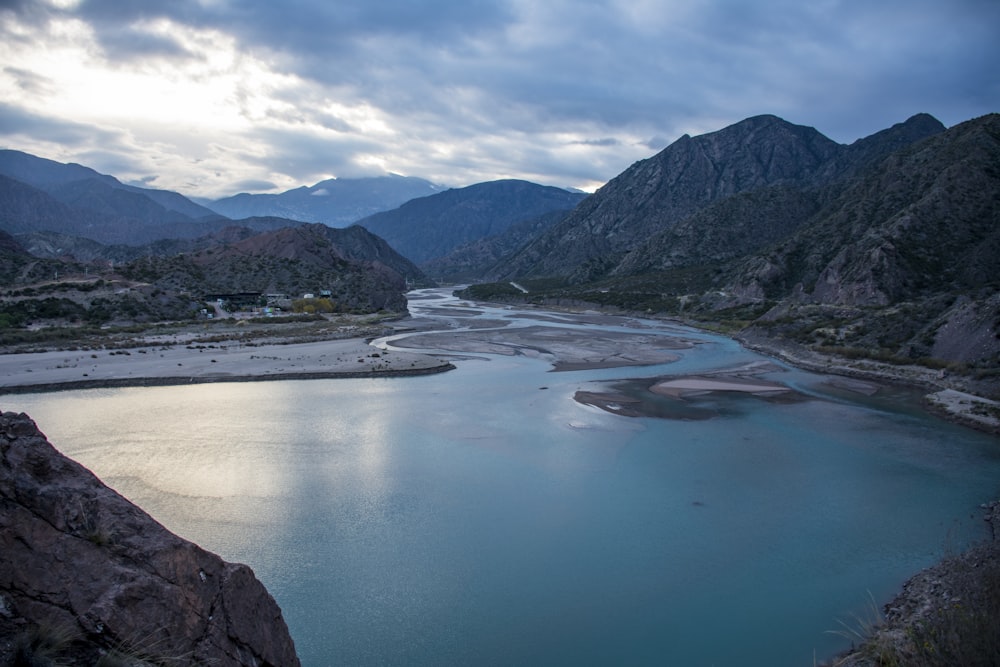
{"x":133,"y":42}
{"x":254,"y":185}
{"x":18,"y":122}
{"x":30,"y":82}
{"x":607,"y":141}
{"x":212,"y":94}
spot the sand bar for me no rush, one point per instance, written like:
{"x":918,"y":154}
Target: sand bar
{"x":188,"y":364}
{"x":680,"y":386}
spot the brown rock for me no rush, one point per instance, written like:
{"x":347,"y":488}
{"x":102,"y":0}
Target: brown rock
{"x":77,"y":556}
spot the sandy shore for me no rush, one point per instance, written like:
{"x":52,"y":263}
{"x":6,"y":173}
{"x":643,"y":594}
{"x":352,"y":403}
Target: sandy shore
{"x":193,"y":363}
{"x":953,"y":397}
{"x":694,"y":384}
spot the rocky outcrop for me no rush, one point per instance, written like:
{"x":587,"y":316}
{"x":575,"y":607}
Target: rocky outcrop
{"x":946,"y":614}
{"x":86,"y":574}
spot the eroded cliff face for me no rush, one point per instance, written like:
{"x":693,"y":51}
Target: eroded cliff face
{"x":86,"y":570}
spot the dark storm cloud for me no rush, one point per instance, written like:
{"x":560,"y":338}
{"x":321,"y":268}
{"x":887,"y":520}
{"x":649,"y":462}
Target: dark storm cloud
{"x":561,"y":88}
{"x":128,"y":43}
{"x":15,"y":121}
{"x":310,"y":31}
{"x":655,"y":64}
{"x":28,"y":81}
{"x":18,"y":6}
{"x":253,"y":185}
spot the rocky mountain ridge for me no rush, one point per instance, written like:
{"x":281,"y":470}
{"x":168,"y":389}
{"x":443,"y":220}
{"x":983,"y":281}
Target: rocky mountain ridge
{"x":86,"y":576}
{"x":652,"y":196}
{"x":82,"y":187}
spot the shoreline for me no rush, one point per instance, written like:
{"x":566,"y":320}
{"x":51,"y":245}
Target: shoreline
{"x":944,"y":609}
{"x":171,"y":381}
{"x":951,"y":398}
{"x":153,"y":363}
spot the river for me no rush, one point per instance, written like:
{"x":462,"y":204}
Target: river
{"x":483,"y":516}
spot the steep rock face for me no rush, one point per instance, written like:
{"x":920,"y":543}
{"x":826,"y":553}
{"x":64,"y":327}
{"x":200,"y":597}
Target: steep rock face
{"x":75,"y":555}
{"x":724,"y":230}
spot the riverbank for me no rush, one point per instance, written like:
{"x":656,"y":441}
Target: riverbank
{"x":944,"y":615}
{"x":187,"y":358}
{"x":957,"y":398}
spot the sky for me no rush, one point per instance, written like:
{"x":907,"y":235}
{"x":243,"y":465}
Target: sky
{"x":214,"y":97}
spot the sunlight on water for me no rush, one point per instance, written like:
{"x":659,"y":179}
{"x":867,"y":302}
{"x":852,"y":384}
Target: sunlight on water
{"x":482,"y":516}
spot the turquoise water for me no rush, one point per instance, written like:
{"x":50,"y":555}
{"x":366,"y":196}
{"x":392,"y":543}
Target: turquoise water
{"x":483,"y":517}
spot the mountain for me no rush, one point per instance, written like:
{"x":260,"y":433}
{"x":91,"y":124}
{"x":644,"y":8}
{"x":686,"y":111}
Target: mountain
{"x":337,"y":202}
{"x":170,"y":279}
{"x":18,"y":265}
{"x":82,"y":187}
{"x":905,"y":259}
{"x":888,"y":248}
{"x":95,"y":210}
{"x":39,"y":195}
{"x":924,"y":219}
{"x":360,"y":270}
{"x":24,"y":208}
{"x":470,"y":261}
{"x":80,"y":247}
{"x":431,"y":227}
{"x":654,"y":195}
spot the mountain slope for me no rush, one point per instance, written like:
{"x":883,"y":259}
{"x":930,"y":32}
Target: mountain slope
{"x":337,"y":202}
{"x":925,"y":219}
{"x":92,"y":210}
{"x":472,"y":261}
{"x":654,"y":195}
{"x":361,"y":271}
{"x":55,"y":178}
{"x":431,"y":227}
{"x":903,"y":264}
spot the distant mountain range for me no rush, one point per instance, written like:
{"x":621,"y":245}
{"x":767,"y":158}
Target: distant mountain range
{"x":337,"y":202}
{"x":76,"y":228}
{"x":69,"y":220}
{"x":82,"y":187}
{"x":886,"y":248}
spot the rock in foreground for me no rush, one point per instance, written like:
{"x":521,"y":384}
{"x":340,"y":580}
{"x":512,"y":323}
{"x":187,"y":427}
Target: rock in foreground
{"x":85,"y":575}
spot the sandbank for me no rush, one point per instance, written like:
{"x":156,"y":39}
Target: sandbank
{"x":679,"y":387}
{"x":229,"y":361}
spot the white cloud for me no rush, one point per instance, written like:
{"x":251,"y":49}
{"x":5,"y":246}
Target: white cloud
{"x":203,"y":96}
